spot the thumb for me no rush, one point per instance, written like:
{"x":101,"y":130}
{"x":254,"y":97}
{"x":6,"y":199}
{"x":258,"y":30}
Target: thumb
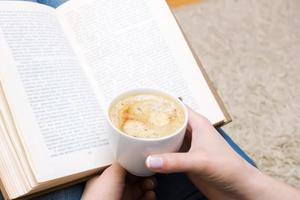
{"x":114,"y":174}
{"x":170,"y":162}
{"x":109,"y":185}
{"x":197,"y":121}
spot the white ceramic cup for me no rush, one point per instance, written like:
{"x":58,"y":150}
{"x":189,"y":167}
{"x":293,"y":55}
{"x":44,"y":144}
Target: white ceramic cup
{"x":131,"y":152}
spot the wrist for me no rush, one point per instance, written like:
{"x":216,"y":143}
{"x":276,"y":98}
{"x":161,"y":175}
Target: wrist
{"x":249,"y":183}
{"x":261,"y":186}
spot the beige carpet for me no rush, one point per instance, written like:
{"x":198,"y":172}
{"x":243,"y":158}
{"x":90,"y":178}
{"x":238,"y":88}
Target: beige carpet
{"x":251,"y":50}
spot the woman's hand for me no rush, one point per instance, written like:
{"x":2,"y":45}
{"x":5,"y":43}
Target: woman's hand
{"x":115,"y":184}
{"x":216,"y":169}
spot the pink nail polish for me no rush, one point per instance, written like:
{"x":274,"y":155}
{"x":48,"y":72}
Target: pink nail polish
{"x":154,"y":162}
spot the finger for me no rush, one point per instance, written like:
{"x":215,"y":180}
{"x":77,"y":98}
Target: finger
{"x":138,"y":190}
{"x":149,"y":184}
{"x":115,"y":173}
{"x":132,"y":179}
{"x":112,"y":178}
{"x":150,"y":195}
{"x":196,"y":120}
{"x":170,"y":162}
{"x":133,"y":192}
{"x":186,"y":144}
{"x":189,"y":128}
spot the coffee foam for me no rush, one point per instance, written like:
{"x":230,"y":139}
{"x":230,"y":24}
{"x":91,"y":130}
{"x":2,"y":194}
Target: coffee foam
{"x":147,"y":115}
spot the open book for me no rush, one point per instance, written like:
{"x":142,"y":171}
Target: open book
{"x":59,"y":69}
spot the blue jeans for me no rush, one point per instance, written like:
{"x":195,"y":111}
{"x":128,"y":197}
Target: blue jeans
{"x":173,"y":186}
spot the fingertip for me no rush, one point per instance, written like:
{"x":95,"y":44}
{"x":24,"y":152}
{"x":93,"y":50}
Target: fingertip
{"x":116,"y":168}
{"x":116,"y":165}
{"x":169,"y":162}
{"x":149,"y":183}
{"x":154,"y":162}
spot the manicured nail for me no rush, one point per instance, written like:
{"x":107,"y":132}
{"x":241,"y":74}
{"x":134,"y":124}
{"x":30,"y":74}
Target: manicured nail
{"x":154,"y":162}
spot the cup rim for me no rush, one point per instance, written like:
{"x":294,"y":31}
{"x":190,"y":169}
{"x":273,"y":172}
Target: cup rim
{"x":147,"y":90}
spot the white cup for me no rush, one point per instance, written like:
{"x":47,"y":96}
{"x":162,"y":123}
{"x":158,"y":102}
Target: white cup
{"x":131,"y":152}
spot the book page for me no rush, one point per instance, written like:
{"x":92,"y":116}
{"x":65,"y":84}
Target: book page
{"x":57,"y":114}
{"x":137,"y":44}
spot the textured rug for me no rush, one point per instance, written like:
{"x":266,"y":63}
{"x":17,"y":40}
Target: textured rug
{"x":251,"y":50}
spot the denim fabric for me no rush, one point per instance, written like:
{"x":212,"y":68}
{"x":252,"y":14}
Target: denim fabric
{"x":71,"y":193}
{"x":176,"y":187}
{"x":52,"y":3}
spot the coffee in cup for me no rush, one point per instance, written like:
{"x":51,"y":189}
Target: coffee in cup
{"x":147,"y":115}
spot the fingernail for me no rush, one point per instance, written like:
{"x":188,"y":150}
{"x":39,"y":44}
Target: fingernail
{"x":154,"y":162}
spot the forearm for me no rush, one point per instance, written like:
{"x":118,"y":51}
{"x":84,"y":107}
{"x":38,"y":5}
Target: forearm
{"x":259,"y":186}
{"x":248,"y":183}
